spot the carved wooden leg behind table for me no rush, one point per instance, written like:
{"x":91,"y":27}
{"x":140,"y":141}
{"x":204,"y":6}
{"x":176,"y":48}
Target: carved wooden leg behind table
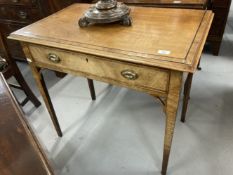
{"x":172,"y":102}
{"x":23,"y":84}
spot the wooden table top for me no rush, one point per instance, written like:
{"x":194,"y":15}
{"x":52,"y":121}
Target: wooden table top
{"x":20,"y":152}
{"x":168,"y":38}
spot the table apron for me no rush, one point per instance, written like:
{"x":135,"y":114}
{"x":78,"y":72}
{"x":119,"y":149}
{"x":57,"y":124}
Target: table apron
{"x":152,"y":80}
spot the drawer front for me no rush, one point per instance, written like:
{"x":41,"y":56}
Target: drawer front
{"x":19,"y":2}
{"x":124,"y":73}
{"x":19,"y":14}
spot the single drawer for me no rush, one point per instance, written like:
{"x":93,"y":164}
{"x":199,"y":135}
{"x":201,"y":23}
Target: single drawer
{"x":133,"y":75}
{"x":19,"y":2}
{"x":19,"y":14}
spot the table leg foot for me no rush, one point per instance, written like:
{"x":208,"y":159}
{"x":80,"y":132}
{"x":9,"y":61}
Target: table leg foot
{"x":163,"y":173}
{"x":92,"y":89}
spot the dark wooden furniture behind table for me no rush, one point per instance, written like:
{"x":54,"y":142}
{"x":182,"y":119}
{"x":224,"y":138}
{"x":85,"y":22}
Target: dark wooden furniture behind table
{"x":21,"y":153}
{"x":15,"y":14}
{"x":221,"y":10}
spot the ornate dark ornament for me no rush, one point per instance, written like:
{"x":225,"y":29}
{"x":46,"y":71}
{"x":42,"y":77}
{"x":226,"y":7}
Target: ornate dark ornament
{"x":106,"y":11}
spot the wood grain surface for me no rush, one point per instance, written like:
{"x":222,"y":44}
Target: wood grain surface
{"x":148,"y":77}
{"x":168,"y":38}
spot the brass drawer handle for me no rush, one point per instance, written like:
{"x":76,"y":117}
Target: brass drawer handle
{"x":23,"y":15}
{"x":54,"y":58}
{"x":129,"y":74}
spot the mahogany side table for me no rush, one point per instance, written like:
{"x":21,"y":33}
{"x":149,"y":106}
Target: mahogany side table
{"x":150,"y":56}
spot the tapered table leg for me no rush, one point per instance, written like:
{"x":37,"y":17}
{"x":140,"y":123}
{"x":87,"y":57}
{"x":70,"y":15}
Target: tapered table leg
{"x":43,"y":90}
{"x":187,"y":89}
{"x":91,"y":88}
{"x":171,"y":110}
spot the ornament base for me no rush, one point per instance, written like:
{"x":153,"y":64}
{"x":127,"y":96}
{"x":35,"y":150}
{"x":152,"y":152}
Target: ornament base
{"x":94,"y":15}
